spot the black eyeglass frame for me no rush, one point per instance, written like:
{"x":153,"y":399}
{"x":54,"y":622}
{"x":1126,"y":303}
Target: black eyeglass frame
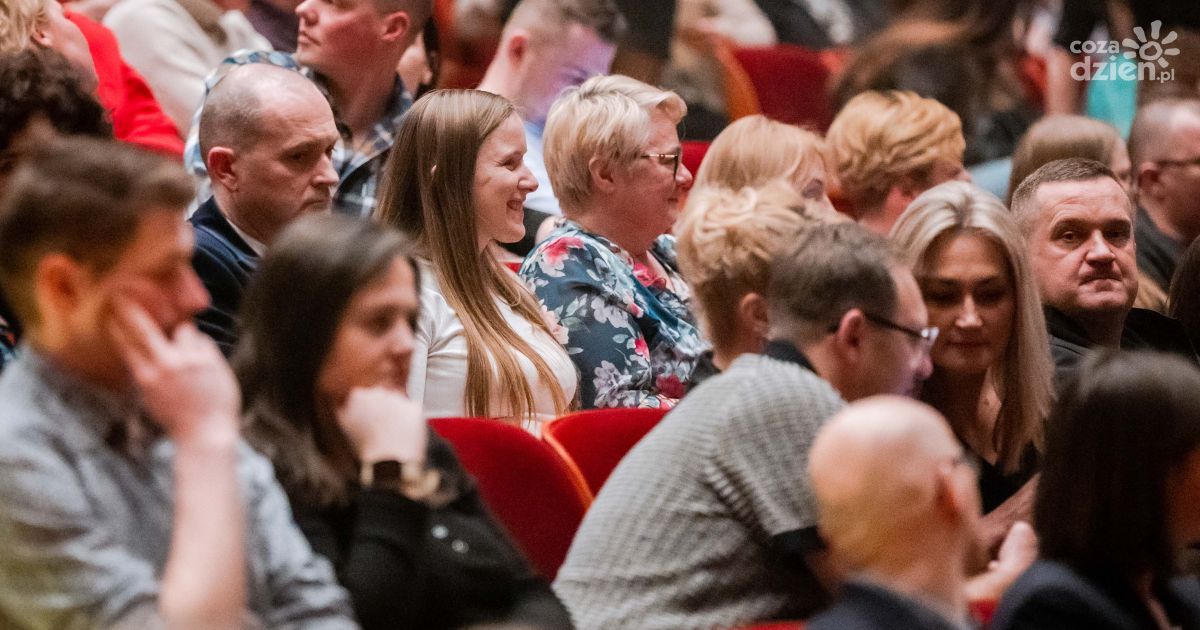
{"x":677,"y":157}
{"x":927,"y":335}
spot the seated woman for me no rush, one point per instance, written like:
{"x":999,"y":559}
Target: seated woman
{"x":609,"y":274}
{"x":755,"y":150}
{"x":1116,"y":504}
{"x":323,"y":362}
{"x":992,"y":375}
{"x":456,"y":184}
{"x":727,"y":240}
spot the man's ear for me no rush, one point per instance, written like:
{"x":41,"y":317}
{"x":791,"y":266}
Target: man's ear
{"x":516,"y":46}
{"x":41,"y":36}
{"x":57,"y":285}
{"x":395,"y":26}
{"x":1146,"y":177}
{"x":603,"y":177}
{"x":850,"y":336}
{"x":221,"y":167}
{"x":753,"y":313}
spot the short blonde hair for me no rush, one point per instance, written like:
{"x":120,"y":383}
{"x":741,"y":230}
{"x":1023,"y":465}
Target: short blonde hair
{"x":726,"y":242}
{"x":18,"y":19}
{"x":608,"y":118}
{"x":755,"y":149}
{"x":880,"y":137}
{"x":1023,"y":375}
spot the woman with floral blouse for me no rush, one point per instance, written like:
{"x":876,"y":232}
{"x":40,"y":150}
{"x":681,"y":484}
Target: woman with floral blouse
{"x":609,"y":273}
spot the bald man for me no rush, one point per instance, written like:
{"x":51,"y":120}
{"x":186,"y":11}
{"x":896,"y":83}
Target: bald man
{"x":898,"y":504}
{"x":267,"y":134}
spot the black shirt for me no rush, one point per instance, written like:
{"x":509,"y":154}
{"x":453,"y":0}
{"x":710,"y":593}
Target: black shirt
{"x":1157,"y":253}
{"x":1144,"y":330}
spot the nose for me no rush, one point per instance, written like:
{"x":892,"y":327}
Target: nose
{"x":326,"y":174}
{"x":924,"y":366}
{"x":192,"y":296}
{"x":683,"y":178}
{"x":1099,"y":252}
{"x":527,"y":181}
{"x":401,"y":343}
{"x":304,"y":10}
{"x":968,"y":317}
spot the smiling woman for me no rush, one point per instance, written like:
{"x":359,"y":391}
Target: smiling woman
{"x":484,"y":345}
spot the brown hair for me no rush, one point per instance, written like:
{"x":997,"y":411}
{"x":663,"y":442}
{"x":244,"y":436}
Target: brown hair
{"x":1066,"y":170}
{"x":1059,"y":137}
{"x":427,"y":194}
{"x":82,"y":197}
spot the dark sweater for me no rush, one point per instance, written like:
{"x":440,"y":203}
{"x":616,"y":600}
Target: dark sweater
{"x":224,"y":262}
{"x":409,"y":566}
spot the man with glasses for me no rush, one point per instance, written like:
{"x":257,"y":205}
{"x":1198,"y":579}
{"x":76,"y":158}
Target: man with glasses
{"x":710,"y":521}
{"x":1078,"y":221}
{"x":1164,"y":148}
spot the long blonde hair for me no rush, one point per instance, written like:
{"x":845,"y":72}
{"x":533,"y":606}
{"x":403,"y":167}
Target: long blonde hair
{"x":1023,"y":374}
{"x":428,"y":194}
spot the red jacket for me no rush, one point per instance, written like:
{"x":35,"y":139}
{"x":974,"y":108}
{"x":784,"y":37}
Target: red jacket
{"x":136,"y":115}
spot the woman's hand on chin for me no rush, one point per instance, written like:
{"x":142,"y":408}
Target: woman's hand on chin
{"x":383,"y":424}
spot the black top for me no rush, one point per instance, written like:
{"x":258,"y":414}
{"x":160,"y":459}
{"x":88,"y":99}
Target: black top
{"x":997,"y":486}
{"x":705,"y":369}
{"x":1144,"y":330}
{"x":793,"y":23}
{"x":865,"y":606}
{"x":407,"y":565}
{"x":1080,"y":17}
{"x":224,"y":262}
{"x":1052,"y":595}
{"x":1157,"y":253}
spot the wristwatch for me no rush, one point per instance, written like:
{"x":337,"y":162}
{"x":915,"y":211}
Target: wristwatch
{"x":415,"y":481}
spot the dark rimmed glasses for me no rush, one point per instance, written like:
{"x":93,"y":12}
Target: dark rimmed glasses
{"x":926,"y":336}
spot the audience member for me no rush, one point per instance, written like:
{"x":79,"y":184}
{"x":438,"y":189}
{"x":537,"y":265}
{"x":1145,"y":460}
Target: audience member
{"x":1078,"y":222}
{"x":267,"y":134}
{"x":727,"y":240}
{"x":547,"y":46}
{"x":457,"y":185}
{"x":275,"y":20}
{"x":709,"y":521}
{"x":992,"y":376}
{"x":1063,"y":136}
{"x":1129,"y":427}
{"x":821,"y":24}
{"x":962,"y":53}
{"x":755,"y":150}
{"x":176,"y":43}
{"x":1165,"y":147}
{"x":351,"y":49}
{"x":137,"y":117}
{"x":1184,"y":302}
{"x":897,"y":503}
{"x":127,"y":499}
{"x":609,"y":273}
{"x":889,"y":147}
{"x":323,"y":363}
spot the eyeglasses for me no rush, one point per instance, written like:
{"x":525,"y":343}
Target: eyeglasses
{"x":925,"y":336}
{"x":662,"y":158}
{"x":1181,"y":163}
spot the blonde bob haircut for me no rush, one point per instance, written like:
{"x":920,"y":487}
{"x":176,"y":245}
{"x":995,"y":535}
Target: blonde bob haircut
{"x":726,"y":242}
{"x":18,"y":20}
{"x":606,"y":118}
{"x":755,"y":150}
{"x":428,"y":194}
{"x":879,"y":138}
{"x":1023,"y":374}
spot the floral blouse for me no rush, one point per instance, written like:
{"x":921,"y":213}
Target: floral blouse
{"x":632,"y":335}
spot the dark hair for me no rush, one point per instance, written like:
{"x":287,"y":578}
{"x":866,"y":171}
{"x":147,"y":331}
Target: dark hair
{"x":1073,"y":169}
{"x":290,"y":317}
{"x":40,"y":82}
{"x":82,"y":197}
{"x":1122,"y":424}
{"x":1184,"y":301}
{"x":829,"y":270}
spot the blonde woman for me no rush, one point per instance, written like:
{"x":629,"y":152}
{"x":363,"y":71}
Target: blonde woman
{"x":726,"y":241}
{"x":456,"y":183}
{"x":755,"y":150}
{"x":992,"y":375}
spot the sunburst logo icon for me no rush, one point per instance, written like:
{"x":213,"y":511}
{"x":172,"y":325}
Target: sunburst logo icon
{"x":1151,"y":49}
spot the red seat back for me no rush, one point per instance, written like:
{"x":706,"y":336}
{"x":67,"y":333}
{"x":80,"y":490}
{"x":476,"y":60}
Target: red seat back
{"x":539,"y":498}
{"x":693,"y":153}
{"x":597,"y":439}
{"x":792,"y":84}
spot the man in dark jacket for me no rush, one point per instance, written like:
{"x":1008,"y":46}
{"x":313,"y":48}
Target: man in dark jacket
{"x":267,"y":134}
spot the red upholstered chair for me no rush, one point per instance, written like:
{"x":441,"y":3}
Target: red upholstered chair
{"x":597,"y":439}
{"x":538,"y":497}
{"x":693,"y":154}
{"x":791,"y":83}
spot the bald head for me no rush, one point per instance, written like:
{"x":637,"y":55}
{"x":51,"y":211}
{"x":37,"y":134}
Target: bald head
{"x":880,"y":470}
{"x":1152,"y":136}
{"x":237,"y":110}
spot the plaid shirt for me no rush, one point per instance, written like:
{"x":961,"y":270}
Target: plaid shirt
{"x":357,"y":171}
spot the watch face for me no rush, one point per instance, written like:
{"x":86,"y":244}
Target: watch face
{"x":387,"y":472}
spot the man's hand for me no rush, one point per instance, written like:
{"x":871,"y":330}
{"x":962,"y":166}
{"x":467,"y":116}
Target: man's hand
{"x":185,"y":383}
{"x":383,"y":424}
